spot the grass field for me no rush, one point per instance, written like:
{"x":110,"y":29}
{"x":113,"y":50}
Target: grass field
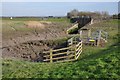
{"x":94,"y":62}
{"x":38,"y":19}
{"x":20,"y":26}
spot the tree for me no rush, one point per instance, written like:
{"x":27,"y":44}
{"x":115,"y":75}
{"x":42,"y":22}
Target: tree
{"x":116,"y":16}
{"x":73,"y":13}
{"x":119,"y":16}
{"x":95,"y":15}
{"x":68,"y":15}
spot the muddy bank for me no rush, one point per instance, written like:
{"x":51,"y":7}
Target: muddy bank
{"x":32,"y":50}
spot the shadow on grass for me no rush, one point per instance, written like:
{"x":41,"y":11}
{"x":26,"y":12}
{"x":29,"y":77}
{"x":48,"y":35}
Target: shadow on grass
{"x":103,"y":52}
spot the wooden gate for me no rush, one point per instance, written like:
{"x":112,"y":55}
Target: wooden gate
{"x":70,"y":53}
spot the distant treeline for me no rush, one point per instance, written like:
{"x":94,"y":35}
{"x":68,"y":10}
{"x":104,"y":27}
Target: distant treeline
{"x":75,"y":13}
{"x":94,"y":15}
{"x":33,"y":16}
{"x":116,"y":16}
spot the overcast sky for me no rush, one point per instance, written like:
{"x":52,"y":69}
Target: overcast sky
{"x":54,"y":8}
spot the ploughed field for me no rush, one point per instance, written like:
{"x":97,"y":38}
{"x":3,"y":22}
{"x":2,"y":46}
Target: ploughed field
{"x":21,"y":39}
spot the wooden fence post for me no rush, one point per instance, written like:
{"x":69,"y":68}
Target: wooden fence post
{"x":68,"y":52}
{"x":80,"y":33}
{"x":75,"y":52}
{"x":51,"y":55}
{"x":72,"y":41}
{"x":89,"y":32}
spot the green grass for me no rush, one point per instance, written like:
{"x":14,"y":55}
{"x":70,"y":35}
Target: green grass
{"x":22,"y":19}
{"x":19,"y":24}
{"x":19,"y":28}
{"x":94,"y":62}
{"x":106,"y":65}
{"x":38,"y":19}
{"x":58,"y":19}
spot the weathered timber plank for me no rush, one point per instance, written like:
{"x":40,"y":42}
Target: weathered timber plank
{"x":58,"y":58}
{"x":61,"y":49}
{"x":79,"y":47}
{"x":80,"y":43}
{"x":79,"y":55}
{"x":78,"y":52}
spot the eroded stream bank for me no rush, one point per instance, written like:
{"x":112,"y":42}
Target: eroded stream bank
{"x":32,"y":50}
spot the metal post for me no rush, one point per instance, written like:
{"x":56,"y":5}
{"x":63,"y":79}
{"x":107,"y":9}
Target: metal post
{"x":99,"y":36}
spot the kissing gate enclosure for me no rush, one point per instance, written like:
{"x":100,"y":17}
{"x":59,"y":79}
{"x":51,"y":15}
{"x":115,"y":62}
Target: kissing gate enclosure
{"x":70,"y":53}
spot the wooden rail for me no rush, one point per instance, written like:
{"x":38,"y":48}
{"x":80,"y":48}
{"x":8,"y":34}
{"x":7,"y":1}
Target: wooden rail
{"x":64,"y":54}
{"x":73,"y":27}
{"x":78,"y":50}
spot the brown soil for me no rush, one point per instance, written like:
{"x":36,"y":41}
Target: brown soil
{"x":27,"y":51}
{"x":30,"y":45}
{"x":30,"y":50}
